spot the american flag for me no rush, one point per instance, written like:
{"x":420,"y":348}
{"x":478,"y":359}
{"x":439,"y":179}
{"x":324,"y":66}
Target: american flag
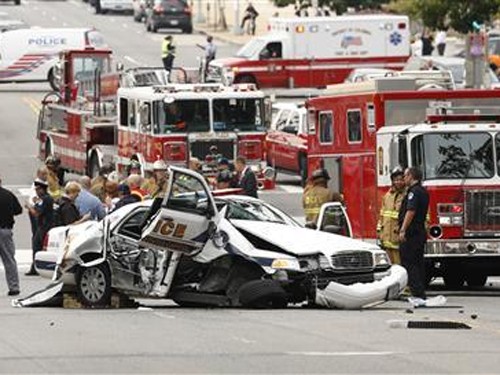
{"x":350,"y":40}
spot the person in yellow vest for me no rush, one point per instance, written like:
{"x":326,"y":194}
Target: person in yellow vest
{"x":387,"y":226}
{"x":316,"y":194}
{"x":54,"y":189}
{"x":168,"y":54}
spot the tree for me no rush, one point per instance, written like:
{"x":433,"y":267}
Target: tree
{"x":339,"y":6}
{"x":458,"y":14}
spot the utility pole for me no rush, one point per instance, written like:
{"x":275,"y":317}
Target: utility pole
{"x":199,"y":13}
{"x":236,"y":27}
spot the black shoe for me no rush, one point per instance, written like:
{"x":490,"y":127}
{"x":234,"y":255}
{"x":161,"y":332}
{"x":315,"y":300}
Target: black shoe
{"x":31,"y":272}
{"x":13,"y":293}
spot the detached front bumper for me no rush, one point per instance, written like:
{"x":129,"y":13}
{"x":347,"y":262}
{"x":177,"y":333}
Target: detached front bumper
{"x":358,"y":295}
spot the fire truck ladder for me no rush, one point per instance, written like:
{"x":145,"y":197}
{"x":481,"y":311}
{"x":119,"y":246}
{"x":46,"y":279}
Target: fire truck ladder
{"x":443,"y":112}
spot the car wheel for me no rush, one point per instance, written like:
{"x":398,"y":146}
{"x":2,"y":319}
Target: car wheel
{"x":137,"y":17}
{"x":154,"y":28}
{"x":453,"y":280}
{"x":263,"y":294}
{"x":17,"y":2}
{"x":476,"y":281}
{"x":97,"y":6}
{"x":93,"y":285}
{"x":188,"y":30}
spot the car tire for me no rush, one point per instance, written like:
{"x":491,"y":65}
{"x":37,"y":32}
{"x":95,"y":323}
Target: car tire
{"x":97,"y":6}
{"x":476,"y":281}
{"x":17,"y":2}
{"x":263,"y":294}
{"x":52,"y":81}
{"x":453,"y":280}
{"x":154,"y":28}
{"x":93,"y":285}
{"x":137,"y":17}
{"x":188,"y":30}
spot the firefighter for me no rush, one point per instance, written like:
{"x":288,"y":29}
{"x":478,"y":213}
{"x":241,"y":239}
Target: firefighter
{"x":316,"y":194}
{"x":387,"y":226}
{"x":412,"y":233}
{"x":168,"y":54}
{"x":156,"y":185}
{"x":55,"y":190}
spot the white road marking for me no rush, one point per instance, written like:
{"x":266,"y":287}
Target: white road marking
{"x":75,"y":3}
{"x":163,"y":315}
{"x":244,"y":340}
{"x":342,"y":354}
{"x":133,"y":61}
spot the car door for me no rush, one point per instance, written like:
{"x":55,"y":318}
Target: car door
{"x":290,"y":159}
{"x":277,"y":140}
{"x":333,"y":218}
{"x":188,"y":217}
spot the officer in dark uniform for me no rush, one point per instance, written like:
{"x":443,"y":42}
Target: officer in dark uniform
{"x":412,"y":234}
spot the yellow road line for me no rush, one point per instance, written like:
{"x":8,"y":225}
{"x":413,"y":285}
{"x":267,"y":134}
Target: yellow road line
{"x":33,"y":104}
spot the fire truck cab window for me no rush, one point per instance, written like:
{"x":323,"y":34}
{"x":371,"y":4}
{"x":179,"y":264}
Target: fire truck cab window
{"x":354,"y":126}
{"x":84,"y":68}
{"x":454,"y":155}
{"x":326,"y":127}
{"x":272,"y":50}
{"x":181,"y":116}
{"x":123,"y":112}
{"x":238,"y":114}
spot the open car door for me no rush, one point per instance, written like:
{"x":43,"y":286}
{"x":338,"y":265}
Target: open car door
{"x":333,"y":219}
{"x":188,"y":216}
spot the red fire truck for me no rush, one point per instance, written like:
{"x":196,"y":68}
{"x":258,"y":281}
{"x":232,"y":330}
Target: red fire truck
{"x":360,"y":132}
{"x":317,"y":51}
{"x":91,"y":123}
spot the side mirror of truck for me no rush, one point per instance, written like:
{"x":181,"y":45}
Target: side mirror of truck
{"x":119,"y":67}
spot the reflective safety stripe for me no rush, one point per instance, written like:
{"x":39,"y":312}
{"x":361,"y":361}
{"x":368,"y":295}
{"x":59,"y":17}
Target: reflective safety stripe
{"x":311,"y":211}
{"x":390,"y":214}
{"x":390,"y":245}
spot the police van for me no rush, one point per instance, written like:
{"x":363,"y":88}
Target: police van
{"x":31,"y":55}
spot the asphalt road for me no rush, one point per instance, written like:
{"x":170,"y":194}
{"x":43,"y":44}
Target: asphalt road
{"x":163,"y":338}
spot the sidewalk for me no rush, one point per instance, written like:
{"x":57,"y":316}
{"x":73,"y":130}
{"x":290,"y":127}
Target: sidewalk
{"x":265,"y":8}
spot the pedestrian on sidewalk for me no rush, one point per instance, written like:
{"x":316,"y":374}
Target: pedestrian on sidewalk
{"x":9,"y":207}
{"x":43,"y":211}
{"x":441,"y":42}
{"x":168,"y":54}
{"x":250,"y":15}
{"x":210,"y":51}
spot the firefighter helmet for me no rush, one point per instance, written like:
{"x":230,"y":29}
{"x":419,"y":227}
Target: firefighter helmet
{"x":320,"y":173}
{"x":159,"y":165}
{"x":398,"y":171}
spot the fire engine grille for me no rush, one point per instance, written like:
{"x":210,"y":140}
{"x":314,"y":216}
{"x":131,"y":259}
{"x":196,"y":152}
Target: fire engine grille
{"x":352,"y":261}
{"x":482,"y":212}
{"x":200,"y":149}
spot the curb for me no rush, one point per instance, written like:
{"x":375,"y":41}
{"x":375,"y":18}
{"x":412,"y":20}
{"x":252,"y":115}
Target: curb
{"x":218,"y":37}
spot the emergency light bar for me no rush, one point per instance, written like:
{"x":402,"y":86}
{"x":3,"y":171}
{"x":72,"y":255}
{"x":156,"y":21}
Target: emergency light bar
{"x":202,"y":87}
{"x":444,"y":112}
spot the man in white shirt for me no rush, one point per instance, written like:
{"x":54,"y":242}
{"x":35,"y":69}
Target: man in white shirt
{"x":441,"y":42}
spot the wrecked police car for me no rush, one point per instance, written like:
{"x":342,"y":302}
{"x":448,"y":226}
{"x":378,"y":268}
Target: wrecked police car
{"x":201,"y":250}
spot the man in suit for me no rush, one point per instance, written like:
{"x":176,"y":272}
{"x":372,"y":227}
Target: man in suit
{"x":246,"y":177}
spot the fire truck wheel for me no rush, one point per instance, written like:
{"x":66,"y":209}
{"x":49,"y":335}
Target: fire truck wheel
{"x":476,"y":281}
{"x":54,"y":84}
{"x":453,"y":279}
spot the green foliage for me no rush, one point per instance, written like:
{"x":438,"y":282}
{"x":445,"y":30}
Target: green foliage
{"x":458,"y":14}
{"x":340,"y":6}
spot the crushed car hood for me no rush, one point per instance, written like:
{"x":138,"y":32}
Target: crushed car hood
{"x":301,"y":241}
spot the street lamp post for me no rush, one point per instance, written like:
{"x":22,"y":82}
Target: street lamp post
{"x":199,"y":13}
{"x":236,"y":27}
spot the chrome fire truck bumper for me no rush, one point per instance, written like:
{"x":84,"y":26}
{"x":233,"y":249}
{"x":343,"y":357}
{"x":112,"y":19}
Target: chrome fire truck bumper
{"x":461,"y":247}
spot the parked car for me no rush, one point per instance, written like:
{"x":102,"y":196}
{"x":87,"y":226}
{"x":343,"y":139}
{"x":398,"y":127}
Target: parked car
{"x":169,"y":14}
{"x":219,"y":251}
{"x":16,"y":2}
{"x":7,"y":23}
{"x":286,"y":139}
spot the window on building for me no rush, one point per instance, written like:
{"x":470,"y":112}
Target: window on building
{"x":354,"y":126}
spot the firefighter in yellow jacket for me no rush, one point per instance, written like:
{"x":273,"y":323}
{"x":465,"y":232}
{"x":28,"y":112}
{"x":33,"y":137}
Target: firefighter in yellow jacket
{"x":387,"y":226}
{"x":316,"y":194}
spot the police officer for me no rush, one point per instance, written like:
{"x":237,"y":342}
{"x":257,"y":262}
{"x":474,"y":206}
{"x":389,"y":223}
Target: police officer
{"x":412,"y":233}
{"x":168,"y":53}
{"x":388,"y":226}
{"x":316,"y":194}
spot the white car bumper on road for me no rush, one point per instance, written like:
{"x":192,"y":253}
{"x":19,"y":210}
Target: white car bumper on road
{"x":358,"y":295}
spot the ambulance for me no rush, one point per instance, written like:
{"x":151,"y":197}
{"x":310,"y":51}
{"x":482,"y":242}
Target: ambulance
{"x":316,"y":51}
{"x":31,"y":55}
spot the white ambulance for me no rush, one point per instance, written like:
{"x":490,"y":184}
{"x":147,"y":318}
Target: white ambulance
{"x":30,"y":55}
{"x":317,"y":51}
